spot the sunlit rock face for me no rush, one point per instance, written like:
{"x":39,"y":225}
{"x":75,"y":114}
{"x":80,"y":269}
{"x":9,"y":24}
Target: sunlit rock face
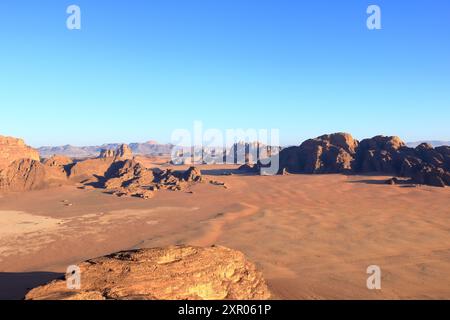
{"x":172,"y":273}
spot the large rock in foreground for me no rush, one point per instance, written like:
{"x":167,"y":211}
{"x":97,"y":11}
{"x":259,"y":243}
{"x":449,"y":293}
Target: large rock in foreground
{"x":12,"y":149}
{"x":174,"y":273}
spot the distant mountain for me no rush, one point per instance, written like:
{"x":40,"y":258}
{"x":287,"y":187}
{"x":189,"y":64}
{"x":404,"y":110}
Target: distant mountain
{"x":146,"y":148}
{"x":434,"y":143}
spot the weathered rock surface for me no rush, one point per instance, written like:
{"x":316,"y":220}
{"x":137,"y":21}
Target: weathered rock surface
{"x":27,"y":174}
{"x":339,"y":152}
{"x":130,"y":178}
{"x":331,"y":153}
{"x":63,"y":163}
{"x":90,"y":169}
{"x":122,"y":152}
{"x":380,"y":154}
{"x":192,"y":175}
{"x":12,"y":149}
{"x":173,"y":273}
{"x":57,"y":161}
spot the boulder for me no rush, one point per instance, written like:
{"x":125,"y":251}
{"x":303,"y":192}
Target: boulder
{"x":173,"y":273}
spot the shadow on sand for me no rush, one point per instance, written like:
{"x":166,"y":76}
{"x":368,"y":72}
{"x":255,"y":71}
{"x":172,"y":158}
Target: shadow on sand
{"x":372,"y":179}
{"x":227,"y":172}
{"x":14,"y":286}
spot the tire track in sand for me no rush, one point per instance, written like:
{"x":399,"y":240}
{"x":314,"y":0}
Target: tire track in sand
{"x":217,"y":224}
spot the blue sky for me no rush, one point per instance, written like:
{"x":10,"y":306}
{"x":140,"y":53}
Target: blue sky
{"x":137,"y":70}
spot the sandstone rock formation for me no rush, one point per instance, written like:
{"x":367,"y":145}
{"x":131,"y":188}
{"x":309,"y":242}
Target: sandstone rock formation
{"x":192,"y":175}
{"x":122,"y":152}
{"x":331,"y":153}
{"x":423,"y":164}
{"x":130,"y":178}
{"x":63,"y":163}
{"x":90,"y":169}
{"x":379,"y":154}
{"x":173,"y":273}
{"x":27,"y":174}
{"x":57,"y":161}
{"x":339,"y":152}
{"x":12,"y":149}
{"x":107,"y":153}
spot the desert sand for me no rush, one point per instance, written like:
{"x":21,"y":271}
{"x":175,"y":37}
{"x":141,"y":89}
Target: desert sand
{"x":312,"y":236}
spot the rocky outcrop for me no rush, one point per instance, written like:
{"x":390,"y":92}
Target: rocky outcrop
{"x":380,"y":154}
{"x":192,"y":175}
{"x":60,"y":162}
{"x":57,"y":161}
{"x":27,"y":174}
{"x":423,"y":164}
{"x":331,"y":153}
{"x":90,"y":169}
{"x":173,"y":273}
{"x":12,"y":149}
{"x":339,"y":152}
{"x":122,"y":152}
{"x":130,"y":178}
{"x":107,"y":153}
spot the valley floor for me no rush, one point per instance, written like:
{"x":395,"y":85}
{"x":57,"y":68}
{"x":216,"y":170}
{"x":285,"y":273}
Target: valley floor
{"x":312,"y":236}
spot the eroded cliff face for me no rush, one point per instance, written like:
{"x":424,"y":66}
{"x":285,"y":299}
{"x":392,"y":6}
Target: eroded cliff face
{"x":27,"y":174}
{"x":172,"y":273}
{"x":12,"y":149}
